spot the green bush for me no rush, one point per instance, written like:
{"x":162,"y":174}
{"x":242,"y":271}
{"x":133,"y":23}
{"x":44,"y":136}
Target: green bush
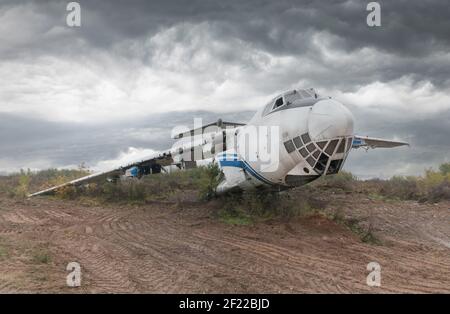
{"x":22,"y":188}
{"x":201,"y":181}
{"x":343,"y":180}
{"x":262,"y":204}
{"x":439,"y":192}
{"x":121,"y":191}
{"x":445,"y":169}
{"x":21,"y":184}
{"x":67,"y":192}
{"x":433,"y":186}
{"x":403,"y":188}
{"x":207,"y":181}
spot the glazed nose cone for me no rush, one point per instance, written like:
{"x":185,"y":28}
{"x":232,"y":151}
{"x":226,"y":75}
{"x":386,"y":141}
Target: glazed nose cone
{"x":329,"y":119}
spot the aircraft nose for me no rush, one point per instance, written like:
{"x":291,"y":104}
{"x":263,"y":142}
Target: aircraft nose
{"x":329,"y":119}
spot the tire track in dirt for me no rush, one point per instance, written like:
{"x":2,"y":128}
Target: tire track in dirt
{"x":298,"y":263}
{"x":159,"y":248}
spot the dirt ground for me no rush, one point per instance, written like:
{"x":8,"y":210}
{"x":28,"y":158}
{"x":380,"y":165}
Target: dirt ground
{"x":181,"y":248}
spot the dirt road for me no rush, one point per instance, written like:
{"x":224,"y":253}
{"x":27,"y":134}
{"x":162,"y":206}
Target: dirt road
{"x":167,"y":247}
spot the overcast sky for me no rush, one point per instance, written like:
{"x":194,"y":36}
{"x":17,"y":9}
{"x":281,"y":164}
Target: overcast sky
{"x":113,"y":88}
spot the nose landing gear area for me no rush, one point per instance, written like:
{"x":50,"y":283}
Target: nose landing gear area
{"x":324,"y":157}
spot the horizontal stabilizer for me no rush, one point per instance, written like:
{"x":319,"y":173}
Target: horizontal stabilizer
{"x":371,"y":142}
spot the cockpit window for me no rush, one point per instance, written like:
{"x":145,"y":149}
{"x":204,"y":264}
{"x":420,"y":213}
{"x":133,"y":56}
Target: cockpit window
{"x":278,"y":103}
{"x":291,"y":96}
{"x":341,"y":147}
{"x":300,"y":98}
{"x":334,"y":166}
{"x":289,"y":145}
{"x":330,"y":148}
{"x":305,"y":138}
{"x":321,"y":164}
{"x":297,"y":142}
{"x":349,"y":143}
{"x":304,"y":93}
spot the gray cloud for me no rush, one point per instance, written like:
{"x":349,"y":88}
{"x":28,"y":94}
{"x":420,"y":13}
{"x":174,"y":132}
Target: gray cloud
{"x":428,"y":136}
{"x":414,"y":33}
{"x":132,"y":60}
{"x":62,"y":144}
{"x":27,"y":142}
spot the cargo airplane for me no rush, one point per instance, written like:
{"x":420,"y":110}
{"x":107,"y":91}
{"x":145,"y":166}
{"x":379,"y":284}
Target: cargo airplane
{"x":292,"y":140}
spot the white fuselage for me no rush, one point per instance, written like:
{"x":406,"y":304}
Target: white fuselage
{"x":287,"y":144}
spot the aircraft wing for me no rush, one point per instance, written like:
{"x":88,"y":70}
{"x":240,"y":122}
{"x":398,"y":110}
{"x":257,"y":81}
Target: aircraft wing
{"x":194,"y":148}
{"x":213,"y":127}
{"x":161,"y":159}
{"x":371,"y":142}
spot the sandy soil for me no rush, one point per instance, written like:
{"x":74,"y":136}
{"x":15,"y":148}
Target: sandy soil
{"x":169,"y":248}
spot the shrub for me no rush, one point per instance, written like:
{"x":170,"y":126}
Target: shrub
{"x":439,"y":192}
{"x":433,"y":186}
{"x":445,"y":168}
{"x":343,"y":180}
{"x":265,"y":204}
{"x":434,"y":178}
{"x":121,"y":191}
{"x":207,"y":180}
{"x":21,"y":190}
{"x":52,"y":177}
{"x":202,"y":180}
{"x":403,"y":188}
{"x":67,"y":192}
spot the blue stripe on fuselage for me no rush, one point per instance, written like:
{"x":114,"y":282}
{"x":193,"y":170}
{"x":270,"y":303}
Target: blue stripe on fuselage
{"x":244,"y":165}
{"x":256,"y":174}
{"x":231,"y":163}
{"x":227,"y":157}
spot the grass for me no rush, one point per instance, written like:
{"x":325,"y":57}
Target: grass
{"x":199,"y":182}
{"x":366,"y":235}
{"x":263,"y":205}
{"x":256,"y":206}
{"x":236,"y":209}
{"x":343,"y":180}
{"x":238,"y":218}
{"x":433,"y":186}
{"x":41,"y":257}
{"x":19,"y":185}
{"x":4,"y":250}
{"x":3,"y":253}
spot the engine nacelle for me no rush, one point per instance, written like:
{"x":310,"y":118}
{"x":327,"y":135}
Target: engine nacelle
{"x":138,"y":172}
{"x":132,"y":172}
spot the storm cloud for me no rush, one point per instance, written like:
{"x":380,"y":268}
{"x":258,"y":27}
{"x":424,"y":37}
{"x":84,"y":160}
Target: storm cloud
{"x":135,"y":69}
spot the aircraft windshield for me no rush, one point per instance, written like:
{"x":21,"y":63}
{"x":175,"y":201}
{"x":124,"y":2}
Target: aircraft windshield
{"x":287,"y":98}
